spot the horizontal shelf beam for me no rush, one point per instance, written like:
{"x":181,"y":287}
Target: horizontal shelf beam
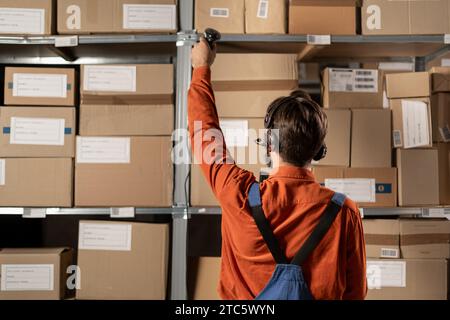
{"x":92,"y":211}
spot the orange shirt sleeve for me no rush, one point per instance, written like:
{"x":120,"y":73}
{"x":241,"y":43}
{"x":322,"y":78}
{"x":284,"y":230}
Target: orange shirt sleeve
{"x":207,"y":141}
{"x":356,"y":284}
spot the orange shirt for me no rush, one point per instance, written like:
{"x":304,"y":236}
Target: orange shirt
{"x":293,"y":203}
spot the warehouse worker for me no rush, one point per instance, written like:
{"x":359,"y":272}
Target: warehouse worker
{"x":292,"y":202}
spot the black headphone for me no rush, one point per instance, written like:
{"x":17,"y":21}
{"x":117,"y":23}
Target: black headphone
{"x":269,"y":119}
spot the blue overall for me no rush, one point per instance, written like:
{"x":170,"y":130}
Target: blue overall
{"x":287,"y":281}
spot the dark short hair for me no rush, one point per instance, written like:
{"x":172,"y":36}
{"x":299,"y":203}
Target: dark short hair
{"x":302,"y":126}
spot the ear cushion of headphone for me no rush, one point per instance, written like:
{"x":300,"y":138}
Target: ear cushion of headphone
{"x":321,"y":154}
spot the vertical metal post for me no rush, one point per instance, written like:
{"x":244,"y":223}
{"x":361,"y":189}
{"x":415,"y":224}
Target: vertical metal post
{"x":420,"y":64}
{"x":183,"y":80}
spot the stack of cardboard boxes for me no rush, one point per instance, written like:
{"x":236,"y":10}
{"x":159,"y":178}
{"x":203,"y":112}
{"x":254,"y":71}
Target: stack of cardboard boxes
{"x":243,"y":91}
{"x":37,"y":137}
{"x":407,"y":259}
{"x":359,"y":161}
{"x":423,"y":171}
{"x":123,"y":153}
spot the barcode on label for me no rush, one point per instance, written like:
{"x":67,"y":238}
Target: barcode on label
{"x":397,"y":138}
{"x":445,"y":133}
{"x":348,"y":87}
{"x":363,"y":73}
{"x":220,"y":12}
{"x":389,"y":253}
{"x":263,"y":9}
{"x":318,"y":39}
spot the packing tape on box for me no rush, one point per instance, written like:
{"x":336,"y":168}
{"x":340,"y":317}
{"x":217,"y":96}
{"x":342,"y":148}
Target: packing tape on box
{"x":381,"y":239}
{"x":7,"y":130}
{"x":426,"y":238}
{"x":154,"y":99}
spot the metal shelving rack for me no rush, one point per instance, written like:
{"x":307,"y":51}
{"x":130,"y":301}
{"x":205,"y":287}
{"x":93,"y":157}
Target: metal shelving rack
{"x":103,"y":49}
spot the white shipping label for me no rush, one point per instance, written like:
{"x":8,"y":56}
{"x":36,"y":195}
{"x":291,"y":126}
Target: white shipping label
{"x":103,"y":150}
{"x":37,"y":85}
{"x":389,"y":253}
{"x":149,"y":17}
{"x":219,"y":12}
{"x":21,"y":20}
{"x":396,"y":66}
{"x":235,"y":132}
{"x":359,"y":190}
{"x":353,"y":80}
{"x":318,"y":39}
{"x":105,"y":236}
{"x":27,"y":277}
{"x":2,"y":172}
{"x":397,"y":137}
{"x":37,"y":131}
{"x":445,"y":63}
{"x":415,"y":124}
{"x":110,"y":78}
{"x":383,"y":274}
{"x":263,"y":9}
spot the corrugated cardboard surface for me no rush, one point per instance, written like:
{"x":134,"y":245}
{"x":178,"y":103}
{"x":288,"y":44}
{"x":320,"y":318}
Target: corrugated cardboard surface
{"x":425,"y":239}
{"x":61,"y":258}
{"x":154,"y":83}
{"x":418,"y":177}
{"x":371,"y":139}
{"x":408,"y":85}
{"x":145,"y":182}
{"x":338,"y":138}
{"x":234,"y":23}
{"x":100,"y":16}
{"x":48,"y":5}
{"x":138,"y":274}
{"x":425,"y":280}
{"x":273,"y":23}
{"x":203,"y":278}
{"x":37,"y":151}
{"x":126,"y":120}
{"x":397,"y":119}
{"x":247,"y":104}
{"x":248,"y":67}
{"x":405,"y":17}
{"x":352,"y":100}
{"x":440,"y":79}
{"x":201,"y":194}
{"x":440,"y":115}
{"x":382,"y":176}
{"x":444,"y":173}
{"x":381,"y":234}
{"x":307,"y":17}
{"x":40,"y":101}
{"x":37,"y":182}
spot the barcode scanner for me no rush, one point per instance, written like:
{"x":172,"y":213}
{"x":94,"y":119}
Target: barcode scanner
{"x":211,"y":36}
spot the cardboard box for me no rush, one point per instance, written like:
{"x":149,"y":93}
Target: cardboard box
{"x":425,"y":238}
{"x":123,"y":260}
{"x":309,"y":73}
{"x":238,"y":72}
{"x":382,"y":238}
{"x":411,"y":123}
{"x":126,"y":120}
{"x":418,"y":177}
{"x":444,"y":173}
{"x":338,"y":138}
{"x":246,"y":104}
{"x":127,"y":84}
{"x":123,"y":172}
{"x":40,"y":86}
{"x":265,"y":17}
{"x":35,"y":274}
{"x":413,"y":279}
{"x":27,"y":17}
{"x":36,"y":182}
{"x":352,"y":88}
{"x":38,"y":132}
{"x":116,"y":16}
{"x":371,"y":139}
{"x":440,"y":79}
{"x":337,"y":17}
{"x":405,"y":17}
{"x":203,"y":278}
{"x":247,"y":155}
{"x":408,"y":85}
{"x":369,"y":187}
{"x":440,"y":116}
{"x":225,"y":15}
